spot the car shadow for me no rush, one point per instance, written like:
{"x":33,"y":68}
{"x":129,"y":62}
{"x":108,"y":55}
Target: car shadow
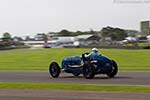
{"x":71,"y":77}
{"x":117,"y":77}
{"x":98,"y":77}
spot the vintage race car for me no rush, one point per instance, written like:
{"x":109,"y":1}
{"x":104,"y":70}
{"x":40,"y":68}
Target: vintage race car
{"x":97,"y":64}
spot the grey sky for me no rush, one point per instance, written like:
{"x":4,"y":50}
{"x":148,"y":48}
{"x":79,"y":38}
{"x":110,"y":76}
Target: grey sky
{"x":28,"y":17}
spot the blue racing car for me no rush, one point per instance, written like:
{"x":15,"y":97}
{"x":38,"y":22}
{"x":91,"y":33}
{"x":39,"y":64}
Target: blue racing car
{"x":97,"y":64}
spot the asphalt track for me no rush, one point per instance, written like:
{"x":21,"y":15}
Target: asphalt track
{"x":123,"y":78}
{"x":9,"y":94}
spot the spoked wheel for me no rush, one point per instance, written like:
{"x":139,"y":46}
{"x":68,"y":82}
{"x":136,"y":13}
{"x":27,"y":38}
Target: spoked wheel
{"x":88,"y":71}
{"x":114,"y":70}
{"x":54,"y":69}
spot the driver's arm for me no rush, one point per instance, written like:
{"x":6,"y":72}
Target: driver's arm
{"x":88,"y":55}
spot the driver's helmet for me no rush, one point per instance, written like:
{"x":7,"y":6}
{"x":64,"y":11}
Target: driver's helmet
{"x":95,"y":50}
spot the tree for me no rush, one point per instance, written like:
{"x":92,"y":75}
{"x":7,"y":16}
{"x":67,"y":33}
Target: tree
{"x":7,"y":40}
{"x":6,"y":35}
{"x":115,"y":33}
{"x":27,"y":38}
{"x":91,"y":31}
{"x":17,"y":38}
{"x":45,"y":38}
{"x":64,"y":32}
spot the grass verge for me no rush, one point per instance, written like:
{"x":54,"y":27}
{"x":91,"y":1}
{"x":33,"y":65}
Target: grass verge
{"x":26,"y":59}
{"x":47,"y":86}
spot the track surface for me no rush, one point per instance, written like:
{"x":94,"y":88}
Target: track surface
{"x":9,"y":94}
{"x":123,"y":78}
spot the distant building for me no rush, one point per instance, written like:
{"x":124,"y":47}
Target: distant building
{"x":131,"y":39}
{"x":66,"y":39}
{"x":132,"y":33}
{"x":51,"y":34}
{"x":87,"y":39}
{"x":39,"y":37}
{"x":1,"y":40}
{"x":148,"y":38}
{"x":17,"y":38}
{"x":83,"y":37}
{"x":57,"y":42}
{"x":145,"y":27}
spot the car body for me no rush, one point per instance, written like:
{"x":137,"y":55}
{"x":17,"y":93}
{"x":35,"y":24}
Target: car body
{"x":89,"y":67}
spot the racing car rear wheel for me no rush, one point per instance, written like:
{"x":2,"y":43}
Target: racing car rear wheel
{"x":114,"y":70}
{"x":88,"y":70}
{"x":54,"y":69}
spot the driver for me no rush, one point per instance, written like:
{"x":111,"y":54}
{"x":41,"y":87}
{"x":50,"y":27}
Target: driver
{"x":94,"y":52}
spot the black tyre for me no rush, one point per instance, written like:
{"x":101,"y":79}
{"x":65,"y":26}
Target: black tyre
{"x":114,"y":70}
{"x":76,"y":74}
{"x":54,"y":69}
{"x":88,"y":71}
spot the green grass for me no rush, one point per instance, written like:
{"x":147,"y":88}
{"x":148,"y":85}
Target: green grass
{"x":138,"y":44}
{"x":26,"y":59}
{"x":55,"y":86}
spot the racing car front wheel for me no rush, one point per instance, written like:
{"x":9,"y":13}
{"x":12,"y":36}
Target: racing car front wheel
{"x":54,"y":69}
{"x":114,"y":70}
{"x":88,"y":71}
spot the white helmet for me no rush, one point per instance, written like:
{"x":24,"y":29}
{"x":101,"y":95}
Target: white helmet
{"x":95,"y":49}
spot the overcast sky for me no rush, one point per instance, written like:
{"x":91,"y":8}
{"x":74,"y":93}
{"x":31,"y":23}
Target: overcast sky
{"x":28,"y":17}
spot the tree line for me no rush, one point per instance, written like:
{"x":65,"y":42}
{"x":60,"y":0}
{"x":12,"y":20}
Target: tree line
{"x":114,"y":33}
